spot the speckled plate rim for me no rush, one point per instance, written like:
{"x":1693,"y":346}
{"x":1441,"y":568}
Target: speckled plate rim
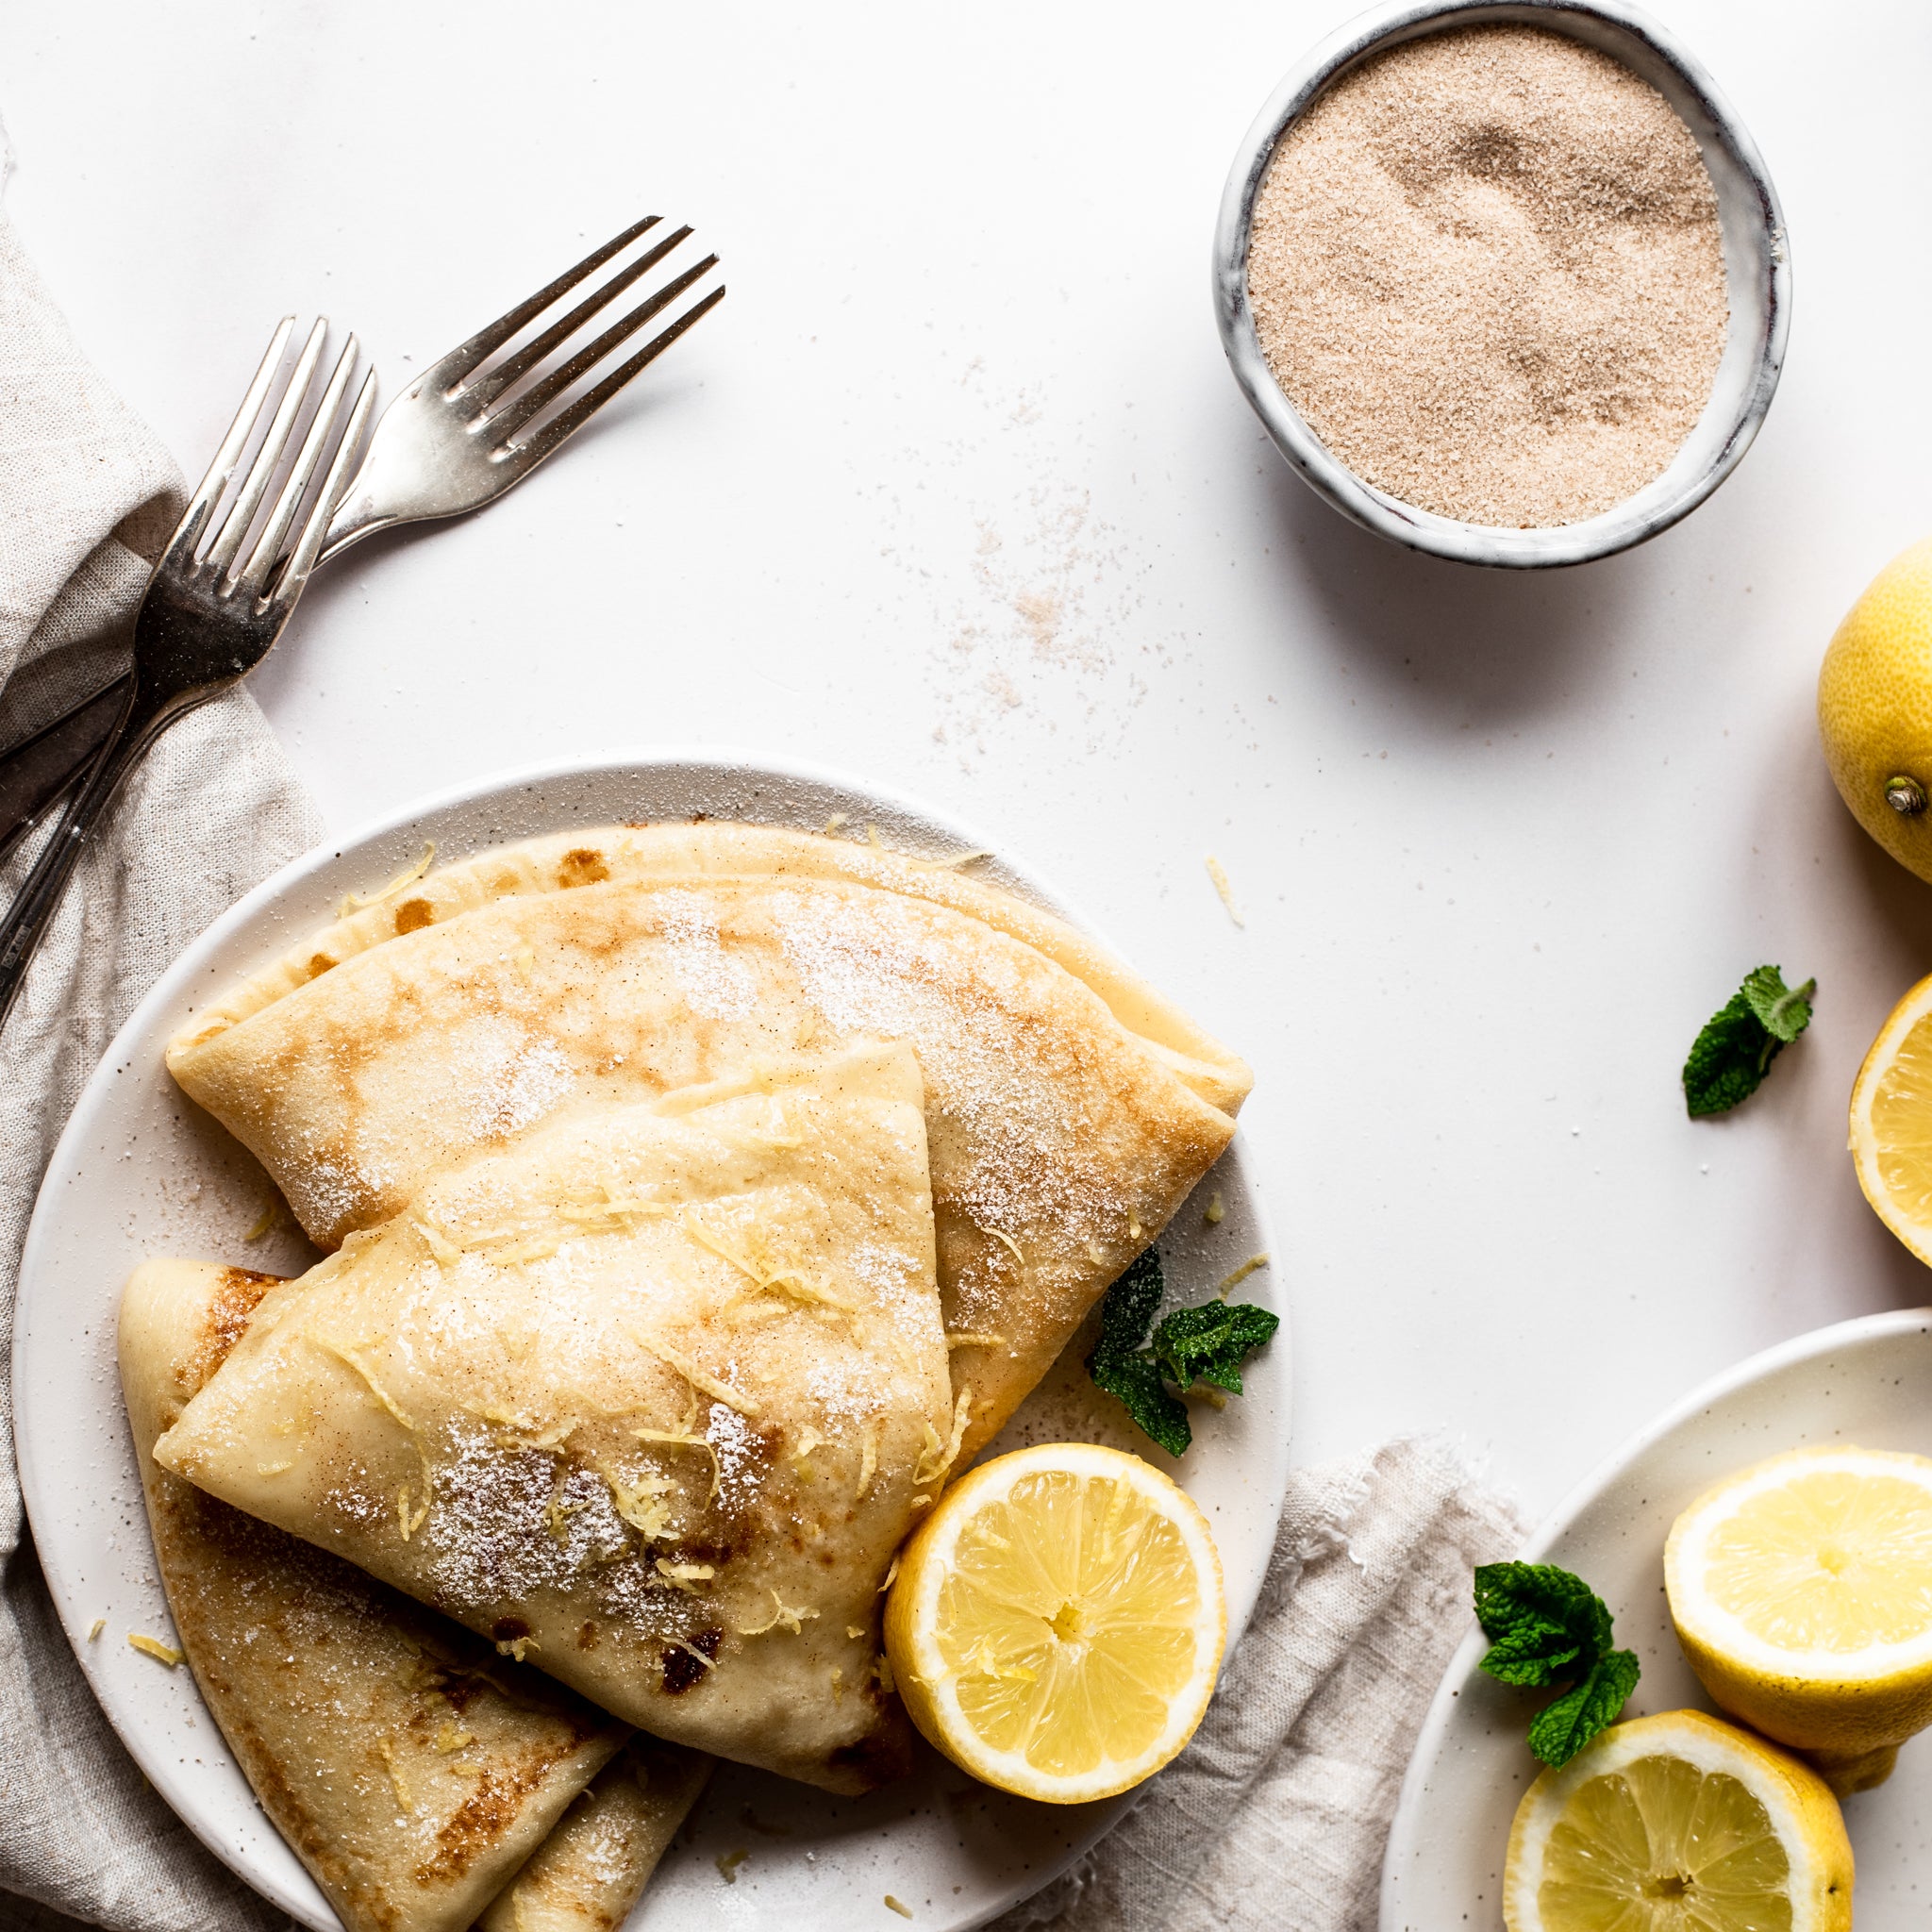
{"x":63,"y":1347}
{"x":1756,"y":264}
{"x":1412,"y":1831}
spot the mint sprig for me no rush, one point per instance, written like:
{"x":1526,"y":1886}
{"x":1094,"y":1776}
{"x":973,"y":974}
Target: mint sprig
{"x":1546,"y":1627}
{"x":1730,"y":1058}
{"x":1192,"y":1345}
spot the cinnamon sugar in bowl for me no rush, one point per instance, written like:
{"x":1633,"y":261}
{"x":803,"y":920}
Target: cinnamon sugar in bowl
{"x":1505,"y":282}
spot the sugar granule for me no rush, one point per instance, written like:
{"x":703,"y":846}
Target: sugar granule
{"x":1487,"y":269}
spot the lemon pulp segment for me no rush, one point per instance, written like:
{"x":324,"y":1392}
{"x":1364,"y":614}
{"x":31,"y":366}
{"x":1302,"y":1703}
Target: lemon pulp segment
{"x":1069,"y":1620}
{"x":1829,"y":1560}
{"x":1901,"y":1121}
{"x":1661,"y":1845}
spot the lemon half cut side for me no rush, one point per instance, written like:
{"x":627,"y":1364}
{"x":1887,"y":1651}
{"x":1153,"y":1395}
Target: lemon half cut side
{"x":1802,"y":1593}
{"x":1679,"y":1822}
{"x":1891,"y":1122}
{"x":1057,"y":1622}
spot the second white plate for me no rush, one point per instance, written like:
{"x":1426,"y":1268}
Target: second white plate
{"x":141,"y":1171}
{"x":1867,"y":1382}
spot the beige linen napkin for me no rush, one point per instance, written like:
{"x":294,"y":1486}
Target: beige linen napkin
{"x":86,"y":496}
{"x":1276,"y":1816}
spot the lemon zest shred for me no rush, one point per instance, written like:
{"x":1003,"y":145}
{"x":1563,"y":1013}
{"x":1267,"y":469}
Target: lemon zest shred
{"x":1239,"y":1276}
{"x":154,"y":1647}
{"x":728,"y":1864}
{"x":409,"y":1525}
{"x":835,"y":824}
{"x":358,"y":902}
{"x":100,"y":1624}
{"x":1217,"y":872}
{"x":692,"y":1650}
{"x":516,"y":1646}
{"x":443,"y":1251}
{"x":891,"y":1574}
{"x":854,"y":1631}
{"x":642,"y":1505}
{"x":940,"y":1456}
{"x":783,"y":1614}
{"x":893,"y":1904}
{"x":386,"y":1750}
{"x":349,"y":1358}
{"x":267,"y":1222}
{"x":449,"y":1738}
{"x":809,"y":1441}
{"x":787,"y":1281}
{"x":687,"y":1577}
{"x":1217,"y":1209}
{"x":706,"y":1384}
{"x":868,"y":1456}
{"x":683,"y":1439}
{"x":998,"y":1235}
{"x":970,"y":1339}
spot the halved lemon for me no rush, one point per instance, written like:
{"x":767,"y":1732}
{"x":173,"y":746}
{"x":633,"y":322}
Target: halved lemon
{"x":1802,"y":1593}
{"x":1891,"y":1122}
{"x":1057,"y":1621}
{"x":1679,"y":1822}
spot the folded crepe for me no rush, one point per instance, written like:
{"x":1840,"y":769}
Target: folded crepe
{"x":649,"y":1398}
{"x":409,"y":1768}
{"x":594,"y":1867}
{"x":1070,"y":1109}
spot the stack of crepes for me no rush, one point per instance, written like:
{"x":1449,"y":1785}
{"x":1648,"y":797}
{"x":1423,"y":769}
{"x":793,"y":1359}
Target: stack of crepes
{"x":700,"y":1197}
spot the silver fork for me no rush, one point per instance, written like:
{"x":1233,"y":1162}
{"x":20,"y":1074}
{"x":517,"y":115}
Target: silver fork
{"x":464,"y":432}
{"x":211,"y":611}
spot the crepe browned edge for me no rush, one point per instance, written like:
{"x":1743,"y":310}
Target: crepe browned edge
{"x":594,"y":1867}
{"x":713,"y":848}
{"x":318,"y":1614}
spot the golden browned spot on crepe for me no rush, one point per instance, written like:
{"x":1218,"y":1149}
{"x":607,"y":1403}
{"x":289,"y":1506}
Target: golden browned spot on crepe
{"x":582,"y":866}
{"x":414,"y":913}
{"x":681,"y":1669}
{"x":319,"y":963}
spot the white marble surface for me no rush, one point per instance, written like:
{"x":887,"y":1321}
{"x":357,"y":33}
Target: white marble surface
{"x":955,"y":491}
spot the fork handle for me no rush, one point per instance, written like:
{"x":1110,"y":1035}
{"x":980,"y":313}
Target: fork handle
{"x":144,"y":717}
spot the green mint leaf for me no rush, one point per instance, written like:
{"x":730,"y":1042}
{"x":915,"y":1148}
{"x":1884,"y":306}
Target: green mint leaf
{"x":1128,"y":1312}
{"x":1783,"y":1011}
{"x":1134,"y":1381}
{"x":1544,"y":1624}
{"x":1210,"y":1344}
{"x":1562,"y":1729}
{"x":1731,"y":1056}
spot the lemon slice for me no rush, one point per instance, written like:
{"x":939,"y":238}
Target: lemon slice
{"x":1057,"y":1621}
{"x":1891,"y":1122}
{"x":1679,"y":1822}
{"x":1802,"y":1593}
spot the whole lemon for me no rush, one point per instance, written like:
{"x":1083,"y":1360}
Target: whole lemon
{"x":1874,"y":709}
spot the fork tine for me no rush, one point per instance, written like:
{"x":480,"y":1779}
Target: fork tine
{"x":210,"y":487}
{"x":252,"y":575}
{"x":460,"y":360}
{"x":229,"y":540}
{"x":561,"y":428}
{"x":504,"y":424}
{"x":493,"y":382}
{"x":315,"y":530}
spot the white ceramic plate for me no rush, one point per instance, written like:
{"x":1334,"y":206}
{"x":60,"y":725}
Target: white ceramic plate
{"x":1867,"y":1382}
{"x":141,"y":1171}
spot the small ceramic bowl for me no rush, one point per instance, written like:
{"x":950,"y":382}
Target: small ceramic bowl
{"x":1756,"y":268}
